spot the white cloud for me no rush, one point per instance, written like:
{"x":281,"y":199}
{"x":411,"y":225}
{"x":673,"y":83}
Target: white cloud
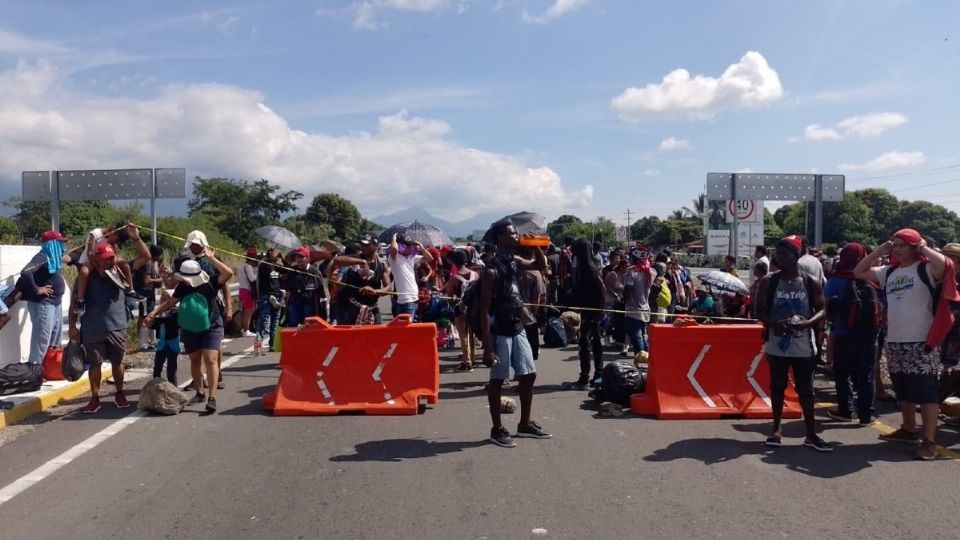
{"x":221,"y":130}
{"x":750,"y":82}
{"x":862,"y":127}
{"x":558,"y":9}
{"x":890,"y":160}
{"x":651,"y":172}
{"x":671,"y":144}
{"x":367,"y":14}
{"x":745,"y":170}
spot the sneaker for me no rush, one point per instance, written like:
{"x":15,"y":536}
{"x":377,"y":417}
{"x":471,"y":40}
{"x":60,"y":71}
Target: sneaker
{"x":868,"y":421}
{"x":927,"y":451}
{"x":501,"y":437}
{"x":121,"y":401}
{"x":817,"y":444}
{"x":248,"y":333}
{"x":900,"y":435}
{"x":212,"y":405}
{"x":79,"y":308}
{"x":93,"y":406}
{"x":837,"y":415}
{"x":220,"y":385}
{"x":532,"y":431}
{"x":465,"y":367}
{"x":576,"y":385}
{"x":199,"y":398}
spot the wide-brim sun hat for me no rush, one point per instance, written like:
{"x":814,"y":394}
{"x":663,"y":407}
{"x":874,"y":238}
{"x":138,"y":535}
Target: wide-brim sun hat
{"x":196,"y":237}
{"x":191,"y":274}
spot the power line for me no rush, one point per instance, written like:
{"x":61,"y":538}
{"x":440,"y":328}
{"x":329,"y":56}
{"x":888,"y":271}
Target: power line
{"x":889,"y":177}
{"x":927,"y":185}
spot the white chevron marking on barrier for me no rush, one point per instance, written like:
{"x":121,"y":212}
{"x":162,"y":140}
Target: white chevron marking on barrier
{"x":696,"y":384}
{"x":753,"y":382}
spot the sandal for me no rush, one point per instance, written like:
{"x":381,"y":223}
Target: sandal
{"x":774,"y":441}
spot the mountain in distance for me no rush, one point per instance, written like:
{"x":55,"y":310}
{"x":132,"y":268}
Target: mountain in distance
{"x":460,"y":229}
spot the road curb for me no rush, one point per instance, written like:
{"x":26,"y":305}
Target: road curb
{"x":44,"y":399}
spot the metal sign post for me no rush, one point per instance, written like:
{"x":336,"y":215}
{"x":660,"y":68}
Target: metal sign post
{"x":783,"y":187}
{"x":104,"y":185}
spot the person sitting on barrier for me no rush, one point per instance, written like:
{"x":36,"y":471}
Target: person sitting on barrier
{"x":200,"y":319}
{"x":501,"y":329}
{"x":790,"y":304}
{"x":365,"y":280}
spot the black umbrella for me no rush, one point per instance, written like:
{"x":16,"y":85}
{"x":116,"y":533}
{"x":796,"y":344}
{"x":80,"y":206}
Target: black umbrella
{"x":527,"y":222}
{"x":424,"y":233}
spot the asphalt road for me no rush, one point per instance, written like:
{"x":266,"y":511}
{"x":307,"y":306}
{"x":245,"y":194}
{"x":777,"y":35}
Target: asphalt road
{"x":245,"y":474}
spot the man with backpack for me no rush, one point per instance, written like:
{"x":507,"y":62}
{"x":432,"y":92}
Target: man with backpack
{"x":790,"y":305}
{"x":505,"y":344}
{"x":854,"y":311}
{"x":364,"y":282}
{"x":911,"y":289}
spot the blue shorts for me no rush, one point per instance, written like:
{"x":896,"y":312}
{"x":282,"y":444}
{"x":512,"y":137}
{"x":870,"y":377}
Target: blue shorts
{"x":513,"y":352}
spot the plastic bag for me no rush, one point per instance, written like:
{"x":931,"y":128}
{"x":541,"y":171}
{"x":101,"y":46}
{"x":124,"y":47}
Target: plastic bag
{"x":74,"y":361}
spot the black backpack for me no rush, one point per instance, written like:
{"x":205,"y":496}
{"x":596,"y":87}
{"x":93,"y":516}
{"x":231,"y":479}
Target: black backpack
{"x":554,"y":334}
{"x":860,"y":308}
{"x":19,"y":378}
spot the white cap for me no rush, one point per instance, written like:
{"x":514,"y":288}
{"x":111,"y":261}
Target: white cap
{"x":196,"y":237}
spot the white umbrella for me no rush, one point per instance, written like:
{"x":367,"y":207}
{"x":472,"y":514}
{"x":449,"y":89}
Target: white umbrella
{"x":279,"y":236}
{"x":722,"y":281}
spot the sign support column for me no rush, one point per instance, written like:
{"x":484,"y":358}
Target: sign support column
{"x":818,"y":210}
{"x":736,"y":218}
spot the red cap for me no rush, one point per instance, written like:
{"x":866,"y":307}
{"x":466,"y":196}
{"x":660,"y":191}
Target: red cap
{"x":794,"y":242}
{"x":909,"y":236}
{"x":252,"y":251}
{"x":52,"y":235}
{"x":104,"y":251}
{"x":304,"y":251}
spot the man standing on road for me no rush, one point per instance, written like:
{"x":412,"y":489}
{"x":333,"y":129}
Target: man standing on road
{"x":41,"y":284}
{"x":914,"y":366}
{"x":403,"y":257}
{"x":103,"y":330}
{"x":760,"y":256}
{"x":505,"y":344}
{"x":790,"y":304}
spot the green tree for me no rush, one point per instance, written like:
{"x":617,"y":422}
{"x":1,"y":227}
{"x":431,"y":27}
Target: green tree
{"x":644,"y":228}
{"x":237,"y":207}
{"x":884,"y":212}
{"x":772,"y":232}
{"x":557,"y":229}
{"x":930,"y":219}
{"x":308,"y":232}
{"x":338,"y":213}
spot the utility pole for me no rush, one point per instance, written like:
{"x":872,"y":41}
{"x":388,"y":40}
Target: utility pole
{"x":629,"y":222}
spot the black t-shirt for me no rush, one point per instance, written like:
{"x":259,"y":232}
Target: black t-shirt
{"x":587,"y":290}
{"x":209,"y":291}
{"x":268,"y":279}
{"x":353,"y":281}
{"x":305,"y":284}
{"x":507,"y":304}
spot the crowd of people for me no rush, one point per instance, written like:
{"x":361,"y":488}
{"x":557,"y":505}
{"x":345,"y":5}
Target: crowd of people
{"x":894,"y":302}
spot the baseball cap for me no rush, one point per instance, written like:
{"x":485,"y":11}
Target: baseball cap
{"x":302,"y":251}
{"x":52,"y":235}
{"x":104,"y":251}
{"x":252,"y":251}
{"x":367,"y":239}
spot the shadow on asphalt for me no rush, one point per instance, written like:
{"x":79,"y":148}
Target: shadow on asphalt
{"x":254,"y":407}
{"x":845,"y":460}
{"x":396,"y":450}
{"x":475,"y":389}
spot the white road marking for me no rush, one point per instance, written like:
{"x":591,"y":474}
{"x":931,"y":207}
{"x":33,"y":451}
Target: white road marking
{"x":695,"y":383}
{"x":37,"y":475}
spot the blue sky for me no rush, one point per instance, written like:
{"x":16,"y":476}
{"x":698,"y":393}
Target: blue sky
{"x":469,"y":106}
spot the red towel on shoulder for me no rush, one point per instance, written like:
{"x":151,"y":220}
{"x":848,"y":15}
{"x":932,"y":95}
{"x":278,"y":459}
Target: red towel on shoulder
{"x":943,"y":317}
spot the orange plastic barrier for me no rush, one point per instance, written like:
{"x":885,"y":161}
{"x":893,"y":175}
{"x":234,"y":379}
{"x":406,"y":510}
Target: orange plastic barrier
{"x":709,"y":371}
{"x":375,"y":369}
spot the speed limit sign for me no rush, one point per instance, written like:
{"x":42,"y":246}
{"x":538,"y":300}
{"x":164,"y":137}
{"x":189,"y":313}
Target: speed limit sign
{"x":745,"y":210}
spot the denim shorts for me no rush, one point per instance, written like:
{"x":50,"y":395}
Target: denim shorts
{"x":513,"y":352}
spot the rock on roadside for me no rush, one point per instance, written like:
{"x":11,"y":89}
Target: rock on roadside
{"x":159,"y":396}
